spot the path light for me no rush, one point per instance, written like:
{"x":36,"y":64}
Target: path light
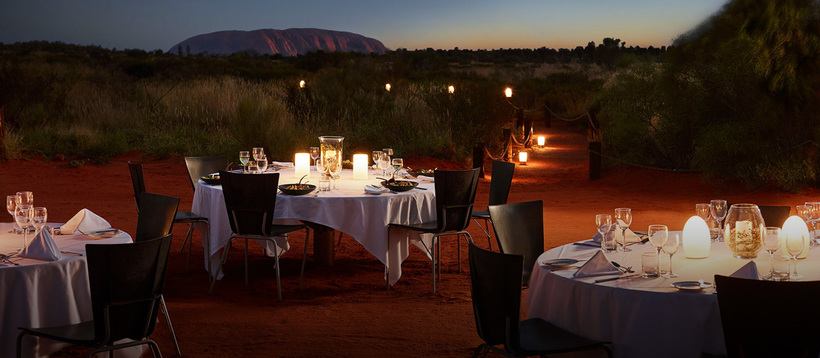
{"x":542,"y":141}
{"x":795,"y":229}
{"x":302,"y":84}
{"x":360,"y":166}
{"x":522,"y":157}
{"x":302,"y":165}
{"x":451,"y":89}
{"x":508,"y":92}
{"x":696,"y":239}
{"x":387,"y":87}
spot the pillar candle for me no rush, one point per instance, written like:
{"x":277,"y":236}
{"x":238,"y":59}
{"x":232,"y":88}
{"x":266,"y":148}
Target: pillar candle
{"x":360,"y":166}
{"x":302,"y":165}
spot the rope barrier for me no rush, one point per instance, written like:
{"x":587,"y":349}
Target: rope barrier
{"x":674,"y":170}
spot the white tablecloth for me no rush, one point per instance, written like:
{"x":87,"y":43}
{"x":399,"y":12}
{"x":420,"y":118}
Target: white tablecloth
{"x":643,"y":317}
{"x":348,"y":209}
{"x":44,"y":293}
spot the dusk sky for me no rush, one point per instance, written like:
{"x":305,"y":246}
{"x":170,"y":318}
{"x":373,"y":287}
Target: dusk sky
{"x":440,"y":24}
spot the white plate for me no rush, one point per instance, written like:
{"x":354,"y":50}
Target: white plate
{"x":558,"y":263}
{"x":691,"y":285}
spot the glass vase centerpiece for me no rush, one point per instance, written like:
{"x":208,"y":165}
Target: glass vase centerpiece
{"x":744,"y":230}
{"x":330,"y":155}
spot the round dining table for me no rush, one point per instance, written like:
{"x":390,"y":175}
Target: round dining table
{"x":644,"y":317}
{"x":347,"y":208}
{"x":38,"y":293}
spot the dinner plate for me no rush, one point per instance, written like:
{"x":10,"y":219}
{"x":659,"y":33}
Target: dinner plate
{"x":559,"y":263}
{"x":691,"y":285}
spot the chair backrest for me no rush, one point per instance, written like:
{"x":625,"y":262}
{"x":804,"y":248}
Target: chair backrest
{"x":774,"y":215}
{"x":496,"y":294}
{"x":201,"y":166}
{"x":250,"y":200}
{"x":126,"y":283}
{"x":519,"y":229}
{"x":455,"y":196}
{"x":156,"y":215}
{"x":137,"y":180}
{"x":501,"y":182}
{"x":769,"y":319}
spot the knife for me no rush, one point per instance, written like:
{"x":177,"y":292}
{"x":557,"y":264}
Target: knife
{"x":616,"y":278}
{"x":587,"y":243}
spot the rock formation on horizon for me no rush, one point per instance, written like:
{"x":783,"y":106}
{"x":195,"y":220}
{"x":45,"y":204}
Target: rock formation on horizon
{"x":290,"y":42}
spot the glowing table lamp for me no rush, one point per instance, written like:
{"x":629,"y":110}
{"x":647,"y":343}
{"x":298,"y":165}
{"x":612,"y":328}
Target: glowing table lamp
{"x":794,"y":229}
{"x":696,"y":239}
{"x":301,"y":163}
{"x":360,"y":166}
{"x":542,"y":141}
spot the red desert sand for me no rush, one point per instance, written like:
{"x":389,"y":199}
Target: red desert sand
{"x":345,"y":310}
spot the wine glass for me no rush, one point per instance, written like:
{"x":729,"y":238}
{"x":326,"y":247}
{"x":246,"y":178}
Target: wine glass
{"x":603,"y":222}
{"x":702,"y":210}
{"x":384,"y":162}
{"x":795,"y":246}
{"x":262,"y":164}
{"x":258,"y":152}
{"x":398,"y":163}
{"x":244,"y":157}
{"x":22,"y":215}
{"x":11,"y":203}
{"x":252,"y":168}
{"x":658,"y":234}
{"x":814,"y":211}
{"x":771,"y":242}
{"x":320,"y":167}
{"x":377,"y":154}
{"x":25,"y":198}
{"x":719,"y":210}
{"x":623,"y":218}
{"x":335,"y":169}
{"x":389,"y":151}
{"x":315,"y":154}
{"x":38,"y":218}
{"x":670,"y":247}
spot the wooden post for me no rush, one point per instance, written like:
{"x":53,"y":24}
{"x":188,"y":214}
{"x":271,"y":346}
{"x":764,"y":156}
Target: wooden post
{"x":323,"y":245}
{"x":594,"y":160}
{"x":527,"y":132}
{"x":507,"y":134}
{"x":2,"y":133}
{"x":478,"y":158}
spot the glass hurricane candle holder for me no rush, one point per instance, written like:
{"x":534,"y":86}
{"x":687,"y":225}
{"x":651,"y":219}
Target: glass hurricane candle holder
{"x":331,"y":154}
{"x":744,"y":230}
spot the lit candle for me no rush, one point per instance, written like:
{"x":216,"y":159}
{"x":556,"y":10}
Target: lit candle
{"x":508,"y":92}
{"x":696,"y":239}
{"x":795,"y":229}
{"x":301,"y":165}
{"x":360,"y":166}
{"x":522,"y":157}
{"x":541,"y":141}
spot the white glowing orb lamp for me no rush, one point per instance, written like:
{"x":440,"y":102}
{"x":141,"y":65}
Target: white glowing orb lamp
{"x":795,"y":229}
{"x":696,"y":239}
{"x":542,"y":141}
{"x":360,"y":166}
{"x":301,"y":163}
{"x":522,"y":157}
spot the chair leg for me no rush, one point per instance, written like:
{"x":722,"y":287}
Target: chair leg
{"x":458,"y":247}
{"x":434,"y":259}
{"x":20,"y":343}
{"x":219,"y":268}
{"x":487,"y":231}
{"x":188,"y":239}
{"x":278,"y":282}
{"x":387,"y":260}
{"x":164,"y":310}
{"x":304,"y":256}
{"x":246,"y":262}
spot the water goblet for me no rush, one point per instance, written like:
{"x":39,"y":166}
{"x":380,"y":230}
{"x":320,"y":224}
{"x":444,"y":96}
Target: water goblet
{"x":22,"y":215}
{"x":262,"y":164}
{"x":258,"y":152}
{"x":315,"y":154}
{"x":335,"y":169}
{"x":603,"y":222}
{"x":719,"y":210}
{"x":384,"y":163}
{"x":25,"y":198}
{"x":321,"y":168}
{"x":38,"y":218}
{"x":377,"y":154}
{"x":703,"y":210}
{"x":11,"y":203}
{"x":389,"y":151}
{"x":622,"y":219}
{"x":244,"y":157}
{"x":658,"y":234}
{"x":398,"y":163}
{"x":771,"y":242}
{"x":670,"y":247}
{"x":795,"y":246}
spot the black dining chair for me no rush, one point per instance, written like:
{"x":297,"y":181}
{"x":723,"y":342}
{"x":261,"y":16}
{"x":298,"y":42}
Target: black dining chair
{"x":455,"y":196}
{"x":496,"y":290}
{"x":126,"y":282}
{"x":519,"y":229}
{"x":197,"y":168}
{"x":182,"y":217}
{"x":251,"y":202}
{"x":500,"y":182}
{"x":156,"y":219}
{"x":788,"y":328}
{"x":775,"y":215}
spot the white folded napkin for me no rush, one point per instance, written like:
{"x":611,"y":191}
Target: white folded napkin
{"x":282,"y":164}
{"x":84,"y":221}
{"x":372,"y":189}
{"x":631,"y":236}
{"x":596,"y":266}
{"x":748,"y":270}
{"x":42,"y":247}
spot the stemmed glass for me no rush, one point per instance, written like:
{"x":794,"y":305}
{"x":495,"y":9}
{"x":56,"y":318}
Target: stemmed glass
{"x":320,"y":167}
{"x":795,"y":246}
{"x":670,"y":247}
{"x":22,"y":215}
{"x":258,"y":152}
{"x":603,"y":222}
{"x":814,"y":210}
{"x":389,"y":152}
{"x":384,"y":162}
{"x":38,"y":218}
{"x":11,"y":203}
{"x":658,"y":234}
{"x":25,"y":198}
{"x":702,"y":210}
{"x":398,"y":163}
{"x":335,"y":170}
{"x":719,"y":211}
{"x":377,"y":154}
{"x":805,"y":212}
{"x":262,"y":164}
{"x":771,"y":242}
{"x":244,"y":157}
{"x":623,"y":218}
